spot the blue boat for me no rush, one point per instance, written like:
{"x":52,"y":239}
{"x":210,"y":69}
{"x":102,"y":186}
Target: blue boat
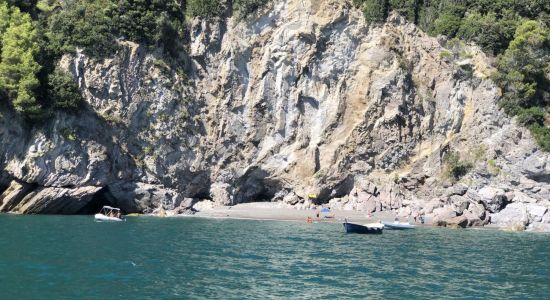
{"x":398,"y":225}
{"x":374,"y":228}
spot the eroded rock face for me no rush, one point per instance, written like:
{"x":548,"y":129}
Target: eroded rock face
{"x":27,"y":198}
{"x":303,"y":97}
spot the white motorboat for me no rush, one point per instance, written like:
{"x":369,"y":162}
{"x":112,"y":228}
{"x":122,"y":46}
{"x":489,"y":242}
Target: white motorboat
{"x":396,"y":225}
{"x":109,"y":214}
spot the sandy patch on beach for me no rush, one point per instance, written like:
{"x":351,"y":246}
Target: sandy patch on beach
{"x":281,"y":211}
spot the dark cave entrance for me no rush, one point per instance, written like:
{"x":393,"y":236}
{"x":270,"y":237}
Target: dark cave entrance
{"x":101,"y":198}
{"x":256,"y":190}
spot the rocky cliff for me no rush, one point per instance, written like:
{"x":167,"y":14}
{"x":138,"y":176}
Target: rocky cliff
{"x":302,"y":97}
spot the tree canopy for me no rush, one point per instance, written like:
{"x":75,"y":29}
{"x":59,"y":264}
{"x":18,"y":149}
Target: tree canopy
{"x":18,"y":67}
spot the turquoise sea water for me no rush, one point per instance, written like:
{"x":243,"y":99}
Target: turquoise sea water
{"x":72,"y":257}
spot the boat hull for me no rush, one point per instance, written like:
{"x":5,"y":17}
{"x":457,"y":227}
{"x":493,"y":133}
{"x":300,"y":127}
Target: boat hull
{"x":356,"y":228}
{"x":104,"y":218}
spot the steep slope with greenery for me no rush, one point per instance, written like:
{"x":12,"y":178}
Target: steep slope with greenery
{"x":516,"y":31}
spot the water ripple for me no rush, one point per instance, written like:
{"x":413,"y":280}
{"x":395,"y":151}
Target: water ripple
{"x":149,"y":258}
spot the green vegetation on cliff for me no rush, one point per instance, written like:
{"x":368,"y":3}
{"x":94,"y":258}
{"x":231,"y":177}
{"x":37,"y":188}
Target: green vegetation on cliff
{"x":523,"y":75}
{"x":204,"y":8}
{"x":18,"y":66}
{"x":95,"y":25}
{"x":242,"y":8}
{"x":516,"y":31}
{"x":214,"y":8}
{"x":63,"y":90}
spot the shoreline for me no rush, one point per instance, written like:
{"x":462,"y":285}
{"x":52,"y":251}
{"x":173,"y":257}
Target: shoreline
{"x":274,"y":211}
{"x":337,"y":221}
{"x":271,"y":211}
{"x":268,"y":211}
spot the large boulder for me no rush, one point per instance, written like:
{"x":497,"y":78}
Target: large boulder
{"x":523,"y":198}
{"x":539,"y":227}
{"x":370,"y":206}
{"x":535,"y":167}
{"x":367,"y":202}
{"x":221,"y":193}
{"x":185,"y":208}
{"x":188,"y":202}
{"x":495,"y":199}
{"x":544,"y":193}
{"x":430,"y":206}
{"x":477,"y":210}
{"x":404,"y":212}
{"x":513,"y":213}
{"x":457,"y":189}
{"x":442,"y":215}
{"x":459,"y":221}
{"x":291,"y":199}
{"x":536,"y":212}
{"x":459,"y":203}
{"x":390,"y":197}
{"x":473,"y":219}
{"x":514,"y":227}
{"x":204,"y":205}
{"x":363,"y":196}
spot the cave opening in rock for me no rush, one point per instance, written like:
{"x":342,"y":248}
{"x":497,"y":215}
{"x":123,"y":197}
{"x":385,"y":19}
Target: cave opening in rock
{"x":266,"y":195}
{"x":101,"y":198}
{"x":3,"y":188}
{"x":256,"y":186}
{"x":257,"y":191}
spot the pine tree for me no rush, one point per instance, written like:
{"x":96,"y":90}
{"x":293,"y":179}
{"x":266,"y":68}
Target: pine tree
{"x":18,"y":67}
{"x":63,"y":90}
{"x":4,"y":18}
{"x":376,"y":10}
{"x":524,"y":65}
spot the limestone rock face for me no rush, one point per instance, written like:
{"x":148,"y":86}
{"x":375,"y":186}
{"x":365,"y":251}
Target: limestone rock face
{"x":302,"y":97}
{"x":47,"y":200}
{"x":133,"y":197}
